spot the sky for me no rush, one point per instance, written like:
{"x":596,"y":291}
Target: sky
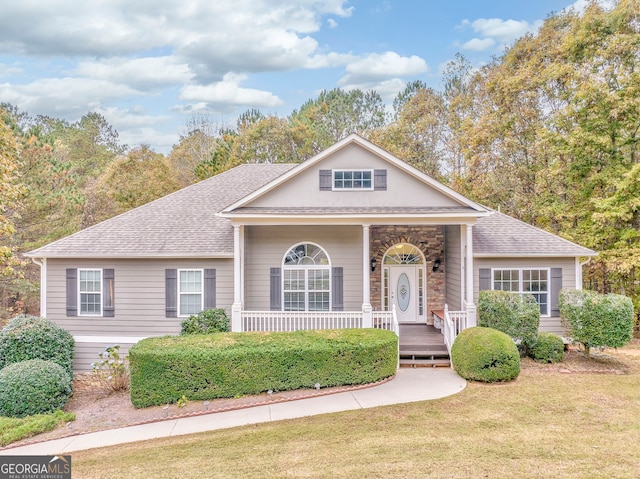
{"x":151,"y":67}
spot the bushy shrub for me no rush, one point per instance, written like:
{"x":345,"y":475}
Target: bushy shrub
{"x":112,"y":369}
{"x":597,"y":320}
{"x":30,"y":337}
{"x":33,"y":387}
{"x":201,"y":367}
{"x":517,"y":315}
{"x":485,"y":354}
{"x":206,"y":322}
{"x":549,"y":348}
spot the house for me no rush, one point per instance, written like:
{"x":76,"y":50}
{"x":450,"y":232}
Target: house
{"x":352,"y":237}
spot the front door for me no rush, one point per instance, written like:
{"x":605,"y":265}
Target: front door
{"x":403,"y":292}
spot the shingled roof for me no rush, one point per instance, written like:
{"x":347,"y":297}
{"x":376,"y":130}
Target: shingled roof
{"x":182,"y":224}
{"x":186,"y":224}
{"x":499,"y":235}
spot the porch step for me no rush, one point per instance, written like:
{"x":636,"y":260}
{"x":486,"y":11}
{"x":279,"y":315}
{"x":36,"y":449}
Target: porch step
{"x":428,"y":355}
{"x":408,"y":363}
{"x":435,"y":351}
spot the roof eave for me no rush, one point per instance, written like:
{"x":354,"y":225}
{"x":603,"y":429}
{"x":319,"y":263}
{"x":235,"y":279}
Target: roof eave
{"x":470,"y":217}
{"x":97,"y":256}
{"x":535,"y":255}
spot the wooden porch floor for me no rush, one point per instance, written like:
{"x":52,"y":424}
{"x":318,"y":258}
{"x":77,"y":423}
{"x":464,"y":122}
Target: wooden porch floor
{"x":422,"y":345}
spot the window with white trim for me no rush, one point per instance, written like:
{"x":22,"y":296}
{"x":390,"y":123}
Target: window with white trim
{"x":306,"y":273}
{"x":90,"y":292}
{"x":353,"y":179}
{"x":525,"y":281}
{"x":190,"y":292}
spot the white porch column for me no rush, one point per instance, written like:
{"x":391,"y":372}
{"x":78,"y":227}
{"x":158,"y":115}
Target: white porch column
{"x":471,"y":307}
{"x":43,"y":285}
{"x":367,"y":317}
{"x":236,"y":308}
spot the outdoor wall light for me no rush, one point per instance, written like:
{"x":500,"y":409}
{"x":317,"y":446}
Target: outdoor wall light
{"x":374,"y":263}
{"x":436,"y":265}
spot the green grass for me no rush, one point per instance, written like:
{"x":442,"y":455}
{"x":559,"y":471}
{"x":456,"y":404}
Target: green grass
{"x":545,"y":424}
{"x":15,"y":429}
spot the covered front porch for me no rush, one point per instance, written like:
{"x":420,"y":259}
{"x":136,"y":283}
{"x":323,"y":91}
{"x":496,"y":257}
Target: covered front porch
{"x":419,"y":344}
{"x":392,"y":277}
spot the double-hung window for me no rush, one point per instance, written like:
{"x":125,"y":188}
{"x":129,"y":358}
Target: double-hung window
{"x":352,"y":179}
{"x":90,"y":292}
{"x":306,"y":279}
{"x":525,"y":281}
{"x":190,"y":292}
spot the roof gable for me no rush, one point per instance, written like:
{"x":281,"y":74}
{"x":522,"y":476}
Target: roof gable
{"x":299,"y":188}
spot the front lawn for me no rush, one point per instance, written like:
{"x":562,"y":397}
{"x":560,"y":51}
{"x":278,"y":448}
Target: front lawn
{"x":544,"y":424}
{"x":14,"y":429}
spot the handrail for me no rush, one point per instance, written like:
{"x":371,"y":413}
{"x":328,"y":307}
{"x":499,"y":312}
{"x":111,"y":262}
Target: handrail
{"x":454,"y":322}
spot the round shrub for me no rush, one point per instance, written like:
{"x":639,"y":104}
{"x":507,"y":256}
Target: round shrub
{"x":206,"y":322}
{"x":33,"y":387}
{"x":30,"y":337}
{"x":549,"y":348}
{"x":485,"y":354}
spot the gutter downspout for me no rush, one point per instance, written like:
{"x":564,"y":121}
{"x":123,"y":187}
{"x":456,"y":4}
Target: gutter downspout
{"x":43,"y":284}
{"x":579,"y":271}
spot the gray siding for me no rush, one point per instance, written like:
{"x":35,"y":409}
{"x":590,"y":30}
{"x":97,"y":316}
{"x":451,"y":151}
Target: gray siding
{"x":551,"y":324}
{"x":453,"y":279}
{"x":265,"y":247}
{"x":139,"y":293}
{"x":402,"y":188}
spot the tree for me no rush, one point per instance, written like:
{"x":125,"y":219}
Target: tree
{"x":131,"y":181}
{"x":198,"y":146}
{"x":10,"y":193}
{"x":264,"y":140}
{"x":334,"y":115}
{"x":418,"y":135}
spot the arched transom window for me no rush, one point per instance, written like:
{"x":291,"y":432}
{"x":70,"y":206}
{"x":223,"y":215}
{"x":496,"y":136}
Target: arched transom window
{"x":306,"y":279}
{"x":403,"y":253}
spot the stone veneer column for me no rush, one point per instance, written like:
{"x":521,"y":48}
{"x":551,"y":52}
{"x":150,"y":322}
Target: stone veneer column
{"x":427,"y":238}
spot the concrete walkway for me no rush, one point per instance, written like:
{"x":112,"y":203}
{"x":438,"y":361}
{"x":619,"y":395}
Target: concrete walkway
{"x":409,"y":385}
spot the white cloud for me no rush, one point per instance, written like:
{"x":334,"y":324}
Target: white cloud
{"x":229,"y":92}
{"x":387,"y":89}
{"x":383,"y":66}
{"x":330,"y":60}
{"x":6,"y":70}
{"x":505,"y":31}
{"x":140,"y":73}
{"x":68,"y":98}
{"x":332,"y":23}
{"x":581,"y":5}
{"x":478,"y":45}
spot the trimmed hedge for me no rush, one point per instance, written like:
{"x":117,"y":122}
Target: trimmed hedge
{"x":33,"y":387}
{"x":206,"y":322}
{"x":485,"y":354}
{"x":201,"y":367}
{"x":597,"y":320}
{"x":517,"y":315}
{"x":30,"y":337}
{"x":549,"y":348}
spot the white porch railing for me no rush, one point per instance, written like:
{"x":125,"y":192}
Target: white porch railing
{"x":386,"y":320}
{"x":297,"y":320}
{"x":454,"y":322}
